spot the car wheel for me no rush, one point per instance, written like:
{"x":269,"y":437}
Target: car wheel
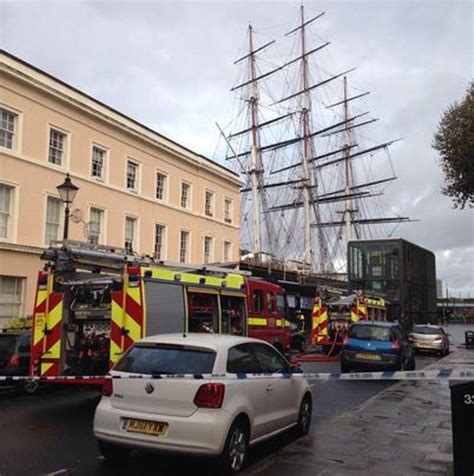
{"x":304,"y":417}
{"x":27,"y":387}
{"x":344,"y":368}
{"x":113,"y":454}
{"x":235,"y":449}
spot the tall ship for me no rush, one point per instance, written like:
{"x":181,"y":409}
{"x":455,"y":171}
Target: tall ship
{"x":300,"y":139}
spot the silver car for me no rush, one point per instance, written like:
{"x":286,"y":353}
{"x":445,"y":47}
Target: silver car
{"x":431,"y":338}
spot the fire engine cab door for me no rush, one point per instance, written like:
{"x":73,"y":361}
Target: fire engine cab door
{"x":283,"y":407}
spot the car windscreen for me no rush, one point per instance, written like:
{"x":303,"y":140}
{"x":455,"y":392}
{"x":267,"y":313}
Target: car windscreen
{"x":167,"y":359}
{"x":427,"y":330}
{"x":368,"y":332}
{"x":7,"y":343}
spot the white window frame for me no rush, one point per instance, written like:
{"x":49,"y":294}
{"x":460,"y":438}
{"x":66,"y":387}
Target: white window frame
{"x":164,"y":241}
{"x":102,"y":226}
{"x":228,"y":214}
{"x":103,"y":177}
{"x":67,"y":147}
{"x":228,"y":258}
{"x":210,"y":253}
{"x":61,"y":218}
{"x":17,"y":120}
{"x":165,"y":186}
{"x":12,"y":219}
{"x":209,"y":212}
{"x":136,"y":228}
{"x":188,"y":250}
{"x":21,"y":295}
{"x":189,"y":196}
{"x":137,"y":164}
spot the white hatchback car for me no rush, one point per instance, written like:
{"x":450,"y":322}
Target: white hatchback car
{"x":217,"y":416}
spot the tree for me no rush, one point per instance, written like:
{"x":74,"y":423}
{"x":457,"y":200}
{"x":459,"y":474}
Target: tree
{"x":454,"y":141}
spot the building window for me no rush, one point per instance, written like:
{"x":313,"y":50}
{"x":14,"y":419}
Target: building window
{"x":6,"y":199}
{"x":53,"y":220}
{"x":96,"y":226}
{"x":159,"y":241}
{"x":132,"y":175}
{"x":227,"y":251}
{"x":98,"y":162}
{"x":10,"y":296}
{"x":57,"y":147}
{"x":160,"y":186}
{"x":184,"y":246}
{"x":209,"y":203}
{"x":228,"y":210}
{"x":7,"y":128}
{"x":185,"y":194}
{"x":207,"y":249}
{"x":130,"y":233}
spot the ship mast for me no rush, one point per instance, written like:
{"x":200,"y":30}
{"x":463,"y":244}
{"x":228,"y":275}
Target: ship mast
{"x":347,"y":175}
{"x":255,"y":163}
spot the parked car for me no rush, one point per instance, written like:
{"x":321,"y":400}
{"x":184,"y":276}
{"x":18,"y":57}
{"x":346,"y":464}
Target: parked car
{"x":376,"y":346}
{"x":430,"y":338}
{"x":15,"y":349}
{"x":214,"y":417}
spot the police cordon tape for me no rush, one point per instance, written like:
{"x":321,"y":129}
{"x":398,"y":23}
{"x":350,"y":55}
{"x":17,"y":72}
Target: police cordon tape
{"x":435,"y":374}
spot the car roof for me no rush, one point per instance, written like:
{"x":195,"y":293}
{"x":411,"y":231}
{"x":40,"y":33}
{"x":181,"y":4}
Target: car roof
{"x":434,"y":326}
{"x":15,"y":333}
{"x":211,"y":341}
{"x":376,"y":323}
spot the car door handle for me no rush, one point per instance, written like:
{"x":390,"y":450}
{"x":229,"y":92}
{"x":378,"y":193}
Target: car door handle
{"x":269,"y":388}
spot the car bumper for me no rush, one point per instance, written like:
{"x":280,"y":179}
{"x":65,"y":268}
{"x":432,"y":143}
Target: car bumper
{"x":202,"y":433}
{"x":428,"y":345}
{"x":391,"y":362}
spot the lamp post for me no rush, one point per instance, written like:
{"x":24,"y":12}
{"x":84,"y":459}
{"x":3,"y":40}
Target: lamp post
{"x":67,"y":191}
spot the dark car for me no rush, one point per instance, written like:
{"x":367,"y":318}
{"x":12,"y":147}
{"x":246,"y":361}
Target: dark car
{"x":376,"y":346}
{"x":15,"y":349}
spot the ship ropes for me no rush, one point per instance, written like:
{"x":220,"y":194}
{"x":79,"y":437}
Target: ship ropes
{"x":301,"y":140}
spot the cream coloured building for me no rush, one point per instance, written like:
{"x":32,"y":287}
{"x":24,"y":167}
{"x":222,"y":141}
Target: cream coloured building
{"x":137,"y":188}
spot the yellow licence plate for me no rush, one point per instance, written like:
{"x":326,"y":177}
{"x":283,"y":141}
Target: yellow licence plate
{"x":147,"y":427}
{"x":368,"y":356}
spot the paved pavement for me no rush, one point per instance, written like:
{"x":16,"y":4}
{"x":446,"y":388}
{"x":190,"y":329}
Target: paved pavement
{"x":404,"y":429}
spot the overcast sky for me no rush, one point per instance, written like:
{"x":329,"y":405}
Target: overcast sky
{"x":170,"y":66}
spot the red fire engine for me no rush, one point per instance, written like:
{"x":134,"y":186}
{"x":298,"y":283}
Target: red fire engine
{"x":331,"y":320}
{"x":93,"y":302}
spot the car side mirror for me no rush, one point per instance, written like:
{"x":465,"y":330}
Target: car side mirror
{"x":296,"y":369}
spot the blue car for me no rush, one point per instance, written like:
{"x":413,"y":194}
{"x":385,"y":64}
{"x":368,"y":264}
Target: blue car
{"x":376,"y":346}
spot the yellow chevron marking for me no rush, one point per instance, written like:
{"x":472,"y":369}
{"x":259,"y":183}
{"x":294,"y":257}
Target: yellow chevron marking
{"x":133,"y":328}
{"x":116,"y":313}
{"x":40,"y":319}
{"x":45,"y":367}
{"x":115,"y":351}
{"x":134,"y":293}
{"x":54,"y":351}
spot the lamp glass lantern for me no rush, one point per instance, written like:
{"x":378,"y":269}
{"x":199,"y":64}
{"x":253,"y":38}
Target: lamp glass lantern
{"x":67,"y":190}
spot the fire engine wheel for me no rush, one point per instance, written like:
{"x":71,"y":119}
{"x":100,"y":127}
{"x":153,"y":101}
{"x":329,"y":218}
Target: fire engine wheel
{"x":304,"y":418}
{"x":113,"y":454}
{"x":27,"y":387}
{"x":235,"y":449}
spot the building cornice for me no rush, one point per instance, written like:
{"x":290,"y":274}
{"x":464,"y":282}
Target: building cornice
{"x":32,"y":250}
{"x":29,"y":74}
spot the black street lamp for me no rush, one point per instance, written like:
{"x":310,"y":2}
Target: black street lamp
{"x":67,"y":191}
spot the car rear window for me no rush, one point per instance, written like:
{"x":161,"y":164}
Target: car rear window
{"x":368,"y":332}
{"x":7,"y":343}
{"x":167,"y":359}
{"x":427,"y":330}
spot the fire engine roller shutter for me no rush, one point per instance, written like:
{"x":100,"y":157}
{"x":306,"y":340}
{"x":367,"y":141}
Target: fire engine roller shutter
{"x":164,"y":308}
